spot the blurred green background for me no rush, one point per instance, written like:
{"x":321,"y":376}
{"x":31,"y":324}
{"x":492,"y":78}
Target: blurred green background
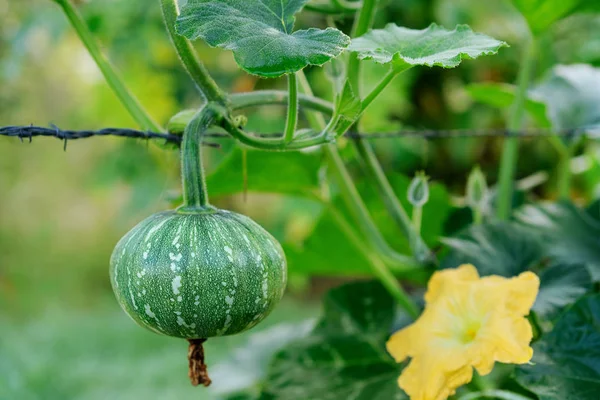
{"x":62,"y":334}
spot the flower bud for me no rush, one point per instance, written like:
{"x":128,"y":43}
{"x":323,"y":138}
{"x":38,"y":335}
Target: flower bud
{"x":418,"y":191}
{"x":477,"y":190}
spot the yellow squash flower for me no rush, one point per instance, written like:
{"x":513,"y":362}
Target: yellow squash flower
{"x":469,"y":322}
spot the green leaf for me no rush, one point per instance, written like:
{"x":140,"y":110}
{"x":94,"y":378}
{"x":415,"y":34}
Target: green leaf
{"x":500,"y":248}
{"x":270,"y":172}
{"x":541,"y":14}
{"x":433,"y":46}
{"x":260,"y":34}
{"x":345,"y":355}
{"x":566,"y":362}
{"x":561,"y":285}
{"x":502,"y":95}
{"x":572,"y":96}
{"x":569,"y":235}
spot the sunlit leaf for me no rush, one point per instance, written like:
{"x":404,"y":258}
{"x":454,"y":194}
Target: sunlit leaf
{"x":260,"y":34}
{"x":345,"y":355}
{"x":270,"y":172}
{"x":568,"y":234}
{"x":566,"y":362}
{"x":541,"y":14}
{"x":433,"y":46}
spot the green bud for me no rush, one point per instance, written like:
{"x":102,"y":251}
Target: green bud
{"x":418,"y":191}
{"x":179,"y":121}
{"x":477,"y":190}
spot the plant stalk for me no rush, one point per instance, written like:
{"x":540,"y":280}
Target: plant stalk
{"x":508,"y":163}
{"x":564,"y":173}
{"x":292,"y":114}
{"x":131,"y":103}
{"x":363,"y":22}
{"x":193,"y":65}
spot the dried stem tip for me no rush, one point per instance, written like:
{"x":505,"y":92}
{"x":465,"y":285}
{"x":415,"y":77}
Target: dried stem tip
{"x":197,"y":372}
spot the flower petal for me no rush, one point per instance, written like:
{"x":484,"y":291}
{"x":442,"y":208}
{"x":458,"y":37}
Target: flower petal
{"x":448,"y":277}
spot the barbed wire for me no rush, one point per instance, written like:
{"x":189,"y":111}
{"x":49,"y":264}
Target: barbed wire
{"x":29,"y":132}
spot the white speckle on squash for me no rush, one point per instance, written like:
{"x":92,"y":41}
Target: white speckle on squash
{"x":149,"y":311}
{"x":176,"y":284}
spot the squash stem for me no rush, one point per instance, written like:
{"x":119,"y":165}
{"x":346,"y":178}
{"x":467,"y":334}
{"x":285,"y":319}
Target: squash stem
{"x":198,"y":371}
{"x":195,"y":195}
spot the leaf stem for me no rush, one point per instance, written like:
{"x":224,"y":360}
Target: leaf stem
{"x":508,"y":163}
{"x":292,"y":114}
{"x":131,"y":103}
{"x":193,"y":65}
{"x":195,"y":196}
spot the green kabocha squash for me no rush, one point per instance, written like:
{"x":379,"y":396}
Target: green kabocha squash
{"x":198,"y":272}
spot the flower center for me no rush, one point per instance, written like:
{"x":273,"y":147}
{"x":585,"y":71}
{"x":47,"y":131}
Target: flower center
{"x":470,"y":332}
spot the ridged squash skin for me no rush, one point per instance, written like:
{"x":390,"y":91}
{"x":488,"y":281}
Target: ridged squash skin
{"x":198,"y":275}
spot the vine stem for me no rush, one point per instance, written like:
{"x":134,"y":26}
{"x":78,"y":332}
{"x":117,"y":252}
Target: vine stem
{"x":358,"y":208}
{"x":195,"y":68}
{"x":364,"y":148}
{"x":292,"y":115}
{"x":362,"y":24}
{"x":508,"y":163}
{"x":268,"y":97}
{"x":131,"y":103}
{"x":195,"y":196}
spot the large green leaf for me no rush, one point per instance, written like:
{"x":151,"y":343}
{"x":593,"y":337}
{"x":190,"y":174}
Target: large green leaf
{"x":260,"y":34}
{"x":507,"y":249}
{"x":566,"y":362}
{"x":290,"y":173}
{"x":569,"y":235}
{"x":344,"y":357}
{"x":502,"y":95}
{"x":501,"y":248}
{"x":433,"y":46}
{"x":541,"y":14}
{"x":572,"y":96}
{"x":561,"y":285}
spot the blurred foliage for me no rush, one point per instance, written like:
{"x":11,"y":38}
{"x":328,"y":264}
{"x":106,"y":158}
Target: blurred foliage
{"x":61,"y":213}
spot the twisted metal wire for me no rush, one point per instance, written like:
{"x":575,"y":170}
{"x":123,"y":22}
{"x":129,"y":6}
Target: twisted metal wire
{"x":29,"y":132}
